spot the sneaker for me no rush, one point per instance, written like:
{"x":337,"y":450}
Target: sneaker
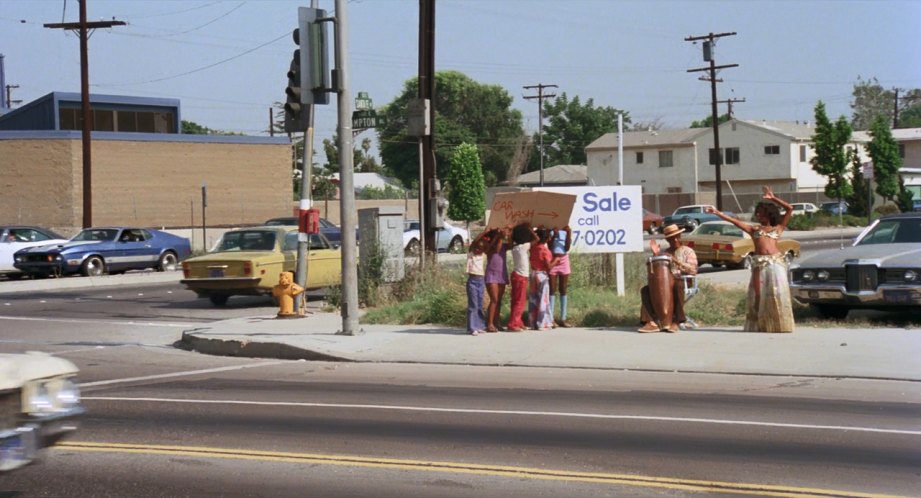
{"x":476,"y":332}
{"x":649,"y":327}
{"x":564,"y":324}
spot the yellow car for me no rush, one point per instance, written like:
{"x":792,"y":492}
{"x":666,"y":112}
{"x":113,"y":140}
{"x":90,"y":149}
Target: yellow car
{"x":720,"y":243}
{"x":248,"y":261}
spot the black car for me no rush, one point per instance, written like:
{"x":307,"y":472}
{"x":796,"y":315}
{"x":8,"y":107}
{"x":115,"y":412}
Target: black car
{"x":332,"y":232}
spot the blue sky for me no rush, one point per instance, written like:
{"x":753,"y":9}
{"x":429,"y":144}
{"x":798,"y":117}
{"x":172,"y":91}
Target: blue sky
{"x":226,"y":60}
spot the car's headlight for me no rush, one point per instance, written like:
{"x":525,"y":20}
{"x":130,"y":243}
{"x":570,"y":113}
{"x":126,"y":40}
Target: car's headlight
{"x":822,"y":275}
{"x":38,"y":400}
{"x":68,"y":395}
{"x":20,"y":259}
{"x":808,"y":275}
{"x":910,"y":276}
{"x":59,"y":258}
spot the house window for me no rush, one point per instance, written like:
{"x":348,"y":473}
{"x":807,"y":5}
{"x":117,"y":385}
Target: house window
{"x":713,"y":156}
{"x":732,"y":155}
{"x":665,"y":159}
{"x":69,"y":119}
{"x":802,"y":153}
{"x":103,"y":121}
{"x":902,"y":151}
{"x":771,"y":150}
{"x":639,"y":158}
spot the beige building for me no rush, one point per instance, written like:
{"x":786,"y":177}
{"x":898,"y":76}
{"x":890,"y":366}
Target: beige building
{"x":149,"y":177}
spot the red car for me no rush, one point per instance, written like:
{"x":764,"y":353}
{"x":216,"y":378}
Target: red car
{"x":652,"y":222}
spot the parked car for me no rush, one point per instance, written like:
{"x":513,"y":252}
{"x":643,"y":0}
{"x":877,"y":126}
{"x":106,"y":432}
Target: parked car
{"x":96,"y":251}
{"x":248,"y":261}
{"x":689,"y":217}
{"x":834,"y":207}
{"x":40,"y":404}
{"x":448,"y":239}
{"x":652,"y":222}
{"x":16,"y":237}
{"x":720,"y":243}
{"x":806,"y":208}
{"x":330,"y":230}
{"x":881,"y":270}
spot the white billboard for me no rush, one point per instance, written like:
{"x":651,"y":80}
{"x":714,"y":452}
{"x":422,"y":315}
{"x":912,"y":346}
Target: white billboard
{"x":605,"y":218}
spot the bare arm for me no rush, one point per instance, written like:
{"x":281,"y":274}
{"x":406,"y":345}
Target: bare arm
{"x":745,"y":227}
{"x":568,"y":237}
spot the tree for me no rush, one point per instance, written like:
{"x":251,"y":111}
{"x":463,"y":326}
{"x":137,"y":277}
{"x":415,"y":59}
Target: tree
{"x":910,"y":117}
{"x":831,"y":159}
{"x":871,"y":101}
{"x":569,"y":126}
{"x":656,"y":123}
{"x":707,"y":122}
{"x":858,"y":201}
{"x":465,"y":111}
{"x":884,"y":151}
{"x":466,"y":186}
{"x":193,"y":128}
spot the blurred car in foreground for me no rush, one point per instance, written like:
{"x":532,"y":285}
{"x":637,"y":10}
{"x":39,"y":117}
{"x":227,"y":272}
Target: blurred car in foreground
{"x":248,"y":261}
{"x":720,"y":243}
{"x":16,"y":237}
{"x":652,"y":222}
{"x":330,"y":230}
{"x":881,"y":270}
{"x":39,"y":403}
{"x":449,"y":239}
{"x":96,"y":251}
{"x":689,"y":217}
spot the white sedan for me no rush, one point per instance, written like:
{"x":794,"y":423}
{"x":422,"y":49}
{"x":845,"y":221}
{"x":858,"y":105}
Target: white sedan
{"x":449,"y":239}
{"x":14,"y":238}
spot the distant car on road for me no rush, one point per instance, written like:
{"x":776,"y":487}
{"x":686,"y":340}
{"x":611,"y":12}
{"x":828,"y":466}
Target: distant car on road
{"x":40,"y":403}
{"x":16,"y":237}
{"x":248,"y":261}
{"x":720,"y":243}
{"x":96,"y":251}
{"x":652,"y":222}
{"x":689,"y":217}
{"x":449,"y":239}
{"x":330,"y":230}
{"x":835,"y":207}
{"x":806,"y":208}
{"x":881,"y":270}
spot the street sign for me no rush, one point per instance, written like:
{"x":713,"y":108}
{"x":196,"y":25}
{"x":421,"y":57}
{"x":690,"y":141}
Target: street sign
{"x":363,"y":102}
{"x":362,"y":120}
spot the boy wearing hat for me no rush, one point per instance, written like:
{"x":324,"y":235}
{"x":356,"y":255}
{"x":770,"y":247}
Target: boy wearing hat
{"x":683,"y":262}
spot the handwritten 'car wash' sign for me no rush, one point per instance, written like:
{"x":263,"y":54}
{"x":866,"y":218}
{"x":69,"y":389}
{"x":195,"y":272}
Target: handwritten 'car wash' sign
{"x":548,"y":209}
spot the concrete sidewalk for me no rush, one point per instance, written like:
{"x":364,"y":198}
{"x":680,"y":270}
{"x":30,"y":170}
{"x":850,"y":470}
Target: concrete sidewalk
{"x":890,"y":354}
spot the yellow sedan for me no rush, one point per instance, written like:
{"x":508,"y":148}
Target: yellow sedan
{"x":248,"y":261}
{"x":720,"y":243}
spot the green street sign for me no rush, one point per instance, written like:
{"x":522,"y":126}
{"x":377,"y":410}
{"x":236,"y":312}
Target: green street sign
{"x":362,"y":120}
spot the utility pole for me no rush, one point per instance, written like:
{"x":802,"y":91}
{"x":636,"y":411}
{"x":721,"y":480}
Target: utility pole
{"x":729,"y":103}
{"x":9,"y":96}
{"x":428,"y":189}
{"x":540,"y":119}
{"x":716,"y":154}
{"x":83,"y":29}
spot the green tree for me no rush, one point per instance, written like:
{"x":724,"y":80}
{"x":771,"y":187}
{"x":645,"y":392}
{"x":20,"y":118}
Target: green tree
{"x":569,"y":126}
{"x":831,"y":158}
{"x":910,"y":116}
{"x":858,"y":201}
{"x":465,"y":111}
{"x":466,"y":186}
{"x":193,"y":128}
{"x":707,"y":122}
{"x":884,"y":151}
{"x":871,"y":101}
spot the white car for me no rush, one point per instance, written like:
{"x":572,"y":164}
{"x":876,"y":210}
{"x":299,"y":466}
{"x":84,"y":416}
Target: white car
{"x":449,"y":239}
{"x":14,"y":238}
{"x":804,"y":208}
{"x":39,"y":401}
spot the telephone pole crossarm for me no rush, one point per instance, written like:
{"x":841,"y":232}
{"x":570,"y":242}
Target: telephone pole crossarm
{"x":540,"y":117}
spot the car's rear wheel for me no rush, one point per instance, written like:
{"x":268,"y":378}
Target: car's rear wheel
{"x":691,"y":223}
{"x":94,"y":266}
{"x":653,"y":228}
{"x":412,"y":249}
{"x":218,"y":299}
{"x":167,"y":261}
{"x":456,"y":246}
{"x":832,"y":311}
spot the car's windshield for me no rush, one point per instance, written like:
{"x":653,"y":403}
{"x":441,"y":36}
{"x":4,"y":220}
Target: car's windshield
{"x":281,"y":221}
{"x":410,"y":225}
{"x":720,"y":229}
{"x":247,"y":240}
{"x":96,"y":234}
{"x":898,"y":231}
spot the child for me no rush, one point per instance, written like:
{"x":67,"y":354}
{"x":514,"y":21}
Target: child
{"x":496,"y":277}
{"x":522,"y":237}
{"x":542,"y":260}
{"x":559,"y":273}
{"x":476,"y":286}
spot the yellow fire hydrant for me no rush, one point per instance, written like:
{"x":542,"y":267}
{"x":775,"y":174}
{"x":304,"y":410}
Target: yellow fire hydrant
{"x":285,"y":292}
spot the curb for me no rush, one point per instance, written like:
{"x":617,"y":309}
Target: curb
{"x":248,"y":349}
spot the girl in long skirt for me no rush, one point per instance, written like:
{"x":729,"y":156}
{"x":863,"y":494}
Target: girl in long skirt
{"x":770,"y":307}
{"x":540,"y":315}
{"x":476,"y":284}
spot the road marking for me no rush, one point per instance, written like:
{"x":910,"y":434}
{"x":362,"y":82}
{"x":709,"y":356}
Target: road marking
{"x":468,"y":468}
{"x":513,"y":412}
{"x":108,"y":322}
{"x":179,"y":374}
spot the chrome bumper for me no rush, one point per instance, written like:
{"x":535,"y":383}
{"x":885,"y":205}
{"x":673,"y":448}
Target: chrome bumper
{"x":883,"y":296}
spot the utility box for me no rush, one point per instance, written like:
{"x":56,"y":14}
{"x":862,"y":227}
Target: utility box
{"x":380,"y":230}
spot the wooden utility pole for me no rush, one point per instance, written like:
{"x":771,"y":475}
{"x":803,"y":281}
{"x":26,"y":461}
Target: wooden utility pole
{"x":427,"y":190}
{"x":82,"y":29}
{"x":729,"y":103}
{"x":540,"y":119}
{"x":716,"y":154}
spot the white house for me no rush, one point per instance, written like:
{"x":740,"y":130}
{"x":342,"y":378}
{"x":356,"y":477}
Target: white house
{"x":909,"y":140}
{"x":662,"y":161}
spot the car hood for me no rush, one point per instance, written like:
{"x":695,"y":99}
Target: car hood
{"x":887,"y":254}
{"x":16,"y":369}
{"x":58,"y":247}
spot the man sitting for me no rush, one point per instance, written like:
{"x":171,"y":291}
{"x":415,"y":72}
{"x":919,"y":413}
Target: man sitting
{"x":683,"y":261}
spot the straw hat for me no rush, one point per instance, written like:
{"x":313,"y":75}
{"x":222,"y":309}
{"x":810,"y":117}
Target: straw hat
{"x":672,"y":231}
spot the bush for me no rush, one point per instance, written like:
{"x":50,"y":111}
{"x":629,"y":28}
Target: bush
{"x":887,"y":209}
{"x":802,"y":222}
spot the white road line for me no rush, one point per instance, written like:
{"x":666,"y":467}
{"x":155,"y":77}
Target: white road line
{"x":108,"y":322}
{"x":180,"y":374}
{"x":514,"y":412}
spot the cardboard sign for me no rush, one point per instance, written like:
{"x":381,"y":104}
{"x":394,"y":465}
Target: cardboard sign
{"x":547,"y":209}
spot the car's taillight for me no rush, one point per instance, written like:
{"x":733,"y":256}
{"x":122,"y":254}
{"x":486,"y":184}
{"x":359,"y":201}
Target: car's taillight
{"x":690,"y":244}
{"x":248,"y":268}
{"x":721,"y":247}
{"x":186,"y":271}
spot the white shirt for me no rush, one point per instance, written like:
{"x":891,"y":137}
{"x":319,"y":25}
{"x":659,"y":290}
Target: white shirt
{"x":521,"y":259}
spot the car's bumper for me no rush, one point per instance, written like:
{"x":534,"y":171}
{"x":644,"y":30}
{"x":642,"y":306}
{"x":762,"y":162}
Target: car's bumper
{"x":21,"y":445}
{"x":884,"y":296}
{"x":225,"y":285}
{"x":49,"y":268}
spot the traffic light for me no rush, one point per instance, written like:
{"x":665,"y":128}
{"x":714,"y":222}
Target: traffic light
{"x":297,"y":115}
